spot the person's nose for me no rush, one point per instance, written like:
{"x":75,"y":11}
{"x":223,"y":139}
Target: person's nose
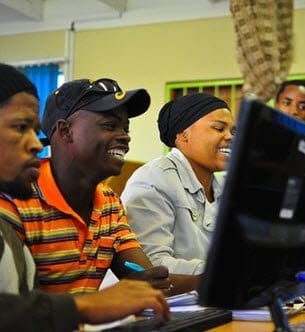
{"x":34,"y":143}
{"x":293,"y":110}
{"x":229,"y":135}
{"x":124,"y":136}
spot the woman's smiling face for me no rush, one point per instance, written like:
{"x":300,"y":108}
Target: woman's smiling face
{"x":206,"y":143}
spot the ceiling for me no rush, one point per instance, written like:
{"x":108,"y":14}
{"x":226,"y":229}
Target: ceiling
{"x":17,"y":16}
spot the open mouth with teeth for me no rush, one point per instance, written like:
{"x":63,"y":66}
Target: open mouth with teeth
{"x":226,"y":151}
{"x":120,"y":154}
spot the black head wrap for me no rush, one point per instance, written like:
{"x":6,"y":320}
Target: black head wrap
{"x":179,"y":114}
{"x":12,"y":81}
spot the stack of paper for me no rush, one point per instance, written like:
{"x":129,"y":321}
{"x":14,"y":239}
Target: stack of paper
{"x":263,"y":314}
{"x":179,"y":303}
{"x":184,"y":299}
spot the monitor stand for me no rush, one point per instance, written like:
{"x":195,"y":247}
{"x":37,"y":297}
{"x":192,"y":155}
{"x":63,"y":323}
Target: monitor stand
{"x":274,"y":298}
{"x":277,"y":313}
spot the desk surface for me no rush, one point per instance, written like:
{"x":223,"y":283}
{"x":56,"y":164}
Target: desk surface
{"x":242,"y":326}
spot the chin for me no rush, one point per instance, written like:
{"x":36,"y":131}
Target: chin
{"x":116,"y":172}
{"x":17,"y":188}
{"x":221,"y":167}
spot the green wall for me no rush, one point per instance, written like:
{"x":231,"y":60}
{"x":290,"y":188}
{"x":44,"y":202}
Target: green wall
{"x":148,"y":56}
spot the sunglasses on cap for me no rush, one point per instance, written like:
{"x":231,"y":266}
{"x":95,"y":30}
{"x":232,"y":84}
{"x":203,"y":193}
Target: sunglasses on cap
{"x":101,"y":86}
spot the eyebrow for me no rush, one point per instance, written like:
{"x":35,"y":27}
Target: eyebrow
{"x":29,"y":120}
{"x":233,"y":129}
{"x":221,"y":121}
{"x":111,"y":115}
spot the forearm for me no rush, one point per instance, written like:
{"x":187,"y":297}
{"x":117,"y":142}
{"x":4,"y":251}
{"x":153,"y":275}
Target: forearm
{"x":135,"y":255}
{"x":184,"y":283}
{"x":176,"y":265}
{"x":38,"y":311}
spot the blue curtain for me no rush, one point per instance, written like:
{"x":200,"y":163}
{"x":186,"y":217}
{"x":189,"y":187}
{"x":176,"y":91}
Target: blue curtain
{"x":45,"y":79}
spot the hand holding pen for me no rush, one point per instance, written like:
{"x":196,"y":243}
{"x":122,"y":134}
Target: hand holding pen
{"x":134,"y":267}
{"x":157,"y":276}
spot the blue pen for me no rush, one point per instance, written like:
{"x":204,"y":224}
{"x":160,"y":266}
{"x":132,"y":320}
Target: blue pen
{"x":134,"y":266}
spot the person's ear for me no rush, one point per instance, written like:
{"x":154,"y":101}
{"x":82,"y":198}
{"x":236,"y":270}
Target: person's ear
{"x":181,"y":138}
{"x":63,"y":127}
{"x":185,"y":136}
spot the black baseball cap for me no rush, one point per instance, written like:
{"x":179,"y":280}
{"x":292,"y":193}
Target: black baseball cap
{"x":101,"y":95}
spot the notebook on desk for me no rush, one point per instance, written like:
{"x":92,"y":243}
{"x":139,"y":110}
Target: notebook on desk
{"x":185,"y":321}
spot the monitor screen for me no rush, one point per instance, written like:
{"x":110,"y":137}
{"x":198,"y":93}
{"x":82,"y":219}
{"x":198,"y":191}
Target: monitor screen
{"x":259,"y":241}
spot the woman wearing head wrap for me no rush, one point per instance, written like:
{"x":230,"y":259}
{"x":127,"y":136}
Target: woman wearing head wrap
{"x":171,"y":201}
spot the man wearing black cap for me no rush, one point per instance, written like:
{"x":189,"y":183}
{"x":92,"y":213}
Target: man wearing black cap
{"x":74,"y":226}
{"x":171,"y":201}
{"x":34,"y":310}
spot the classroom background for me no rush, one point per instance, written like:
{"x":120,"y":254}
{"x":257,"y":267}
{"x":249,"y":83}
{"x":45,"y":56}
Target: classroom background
{"x":157,"y":57}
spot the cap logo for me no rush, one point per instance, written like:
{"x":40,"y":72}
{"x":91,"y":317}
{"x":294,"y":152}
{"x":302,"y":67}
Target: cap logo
{"x":120,"y":95}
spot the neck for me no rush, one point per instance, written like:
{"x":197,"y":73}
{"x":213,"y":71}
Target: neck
{"x":205,"y":177}
{"x":76,"y":188}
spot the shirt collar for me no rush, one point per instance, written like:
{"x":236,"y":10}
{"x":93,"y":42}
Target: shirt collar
{"x":187,"y":175}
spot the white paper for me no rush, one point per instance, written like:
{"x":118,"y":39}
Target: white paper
{"x":180,"y":303}
{"x":100,"y":327}
{"x":110,"y":279}
{"x":263,"y":314}
{"x":252,"y":315}
{"x":185,"y":299}
{"x":194,"y":307}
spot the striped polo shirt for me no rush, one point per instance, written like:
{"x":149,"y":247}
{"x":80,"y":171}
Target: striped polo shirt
{"x":70,"y":256}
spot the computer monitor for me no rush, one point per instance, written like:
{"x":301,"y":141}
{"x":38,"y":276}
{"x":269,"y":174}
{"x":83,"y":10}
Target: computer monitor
{"x":259,"y":241}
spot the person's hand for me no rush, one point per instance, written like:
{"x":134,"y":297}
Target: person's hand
{"x":157,"y":276}
{"x":116,"y":302}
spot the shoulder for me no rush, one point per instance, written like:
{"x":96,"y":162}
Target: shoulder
{"x":105,"y":190}
{"x":105,"y":197}
{"x":5,"y":197}
{"x":158,"y":178}
{"x":7,"y":206}
{"x":8,"y":233}
{"x":155,"y":170}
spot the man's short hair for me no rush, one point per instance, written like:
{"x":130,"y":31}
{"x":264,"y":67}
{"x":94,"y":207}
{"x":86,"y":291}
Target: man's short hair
{"x":288,"y":83}
{"x":13,"y":81}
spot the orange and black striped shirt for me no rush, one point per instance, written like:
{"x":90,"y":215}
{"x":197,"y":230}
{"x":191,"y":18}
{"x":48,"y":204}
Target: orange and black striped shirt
{"x":70,"y":256}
